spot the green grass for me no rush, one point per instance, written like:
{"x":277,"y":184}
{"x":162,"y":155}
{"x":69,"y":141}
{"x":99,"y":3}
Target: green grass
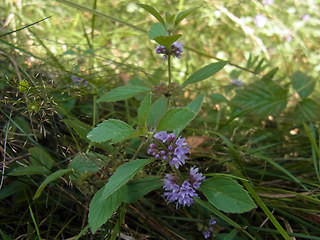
{"x":272,"y":151}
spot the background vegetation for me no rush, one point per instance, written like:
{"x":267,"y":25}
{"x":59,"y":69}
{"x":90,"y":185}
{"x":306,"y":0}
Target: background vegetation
{"x":58,"y":57}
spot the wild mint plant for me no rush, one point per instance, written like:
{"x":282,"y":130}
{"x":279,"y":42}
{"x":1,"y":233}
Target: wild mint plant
{"x":156,"y":118}
{"x":43,"y":107}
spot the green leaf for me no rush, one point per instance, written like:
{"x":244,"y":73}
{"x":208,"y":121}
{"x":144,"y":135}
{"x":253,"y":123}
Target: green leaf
{"x":23,"y":86}
{"x":122,"y":175}
{"x":23,"y":124}
{"x":64,"y":102}
{"x":49,"y":179}
{"x":156,"y":30}
{"x":307,"y":110}
{"x":229,"y":236}
{"x":12,"y":188}
{"x":40,"y":157}
{"x":83,"y":163}
{"x":262,"y":98}
{"x":303,"y":84}
{"x":204,"y":73}
{"x":167,"y":41}
{"x":101,"y":209}
{"x":122,"y":93}
{"x":195,"y":107}
{"x":79,"y":127}
{"x":227,"y":195}
{"x":144,"y":110}
{"x":269,"y":75}
{"x":153,"y":12}
{"x":5,"y":236}
{"x":260,"y":67}
{"x":175,"y":118}
{"x":183,"y":15}
{"x":196,"y":104}
{"x":170,"y":21}
{"x":218,"y":98}
{"x":29,"y":170}
{"x":156,"y":111}
{"x":112,"y":129}
{"x":140,"y":187}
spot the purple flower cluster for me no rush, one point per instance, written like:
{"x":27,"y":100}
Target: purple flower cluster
{"x":175,"y":151}
{"x":79,"y":81}
{"x":237,"y":82}
{"x":182,"y":194}
{"x":207,"y":233}
{"x":176,"y":50}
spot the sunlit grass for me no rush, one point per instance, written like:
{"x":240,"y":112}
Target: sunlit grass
{"x":105,"y":43}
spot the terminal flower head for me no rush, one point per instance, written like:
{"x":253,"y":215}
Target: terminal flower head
{"x":176,"y":50}
{"x":212,"y":221}
{"x":207,"y":232}
{"x":79,"y":81}
{"x":182,"y":194}
{"x":169,"y":148}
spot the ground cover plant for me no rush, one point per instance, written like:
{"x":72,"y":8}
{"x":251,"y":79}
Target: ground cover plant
{"x":132,"y":120}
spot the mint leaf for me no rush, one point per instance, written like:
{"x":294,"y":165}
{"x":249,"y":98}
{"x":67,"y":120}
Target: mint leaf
{"x":122,"y":175}
{"x":227,"y":195}
{"x":303,"y":84}
{"x":101,"y":209}
{"x":175,"y":118}
{"x":123,"y":93}
{"x":112,"y":129}
{"x":204,"y":73}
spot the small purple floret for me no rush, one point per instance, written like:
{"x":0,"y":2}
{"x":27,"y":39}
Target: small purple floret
{"x":212,"y":222}
{"x":181,"y":151}
{"x":195,"y":177}
{"x":161,"y":136}
{"x":181,"y":142}
{"x":206,"y":234}
{"x":79,"y":81}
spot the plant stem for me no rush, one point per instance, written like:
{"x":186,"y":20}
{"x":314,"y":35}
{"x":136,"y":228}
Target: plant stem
{"x":94,"y":117}
{"x":93,"y":20}
{"x":169,"y":69}
{"x":138,"y":150}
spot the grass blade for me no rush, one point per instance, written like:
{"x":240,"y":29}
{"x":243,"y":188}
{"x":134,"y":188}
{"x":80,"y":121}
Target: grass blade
{"x":82,"y":8}
{"x":34,"y":222}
